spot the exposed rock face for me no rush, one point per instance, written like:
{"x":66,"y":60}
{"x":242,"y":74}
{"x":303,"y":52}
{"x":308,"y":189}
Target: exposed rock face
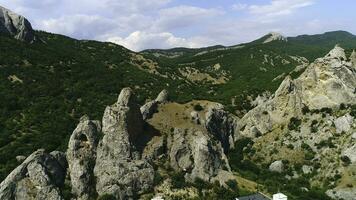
{"x":15,"y":25}
{"x":273,"y":36}
{"x":277,"y":166}
{"x":38,"y":177}
{"x":343,"y":124}
{"x":118,"y":169}
{"x":221,"y":125}
{"x":81,"y":156}
{"x":194,"y":152}
{"x":342,"y":193}
{"x":327,"y":82}
{"x":350,"y":153}
{"x":353,"y":58}
{"x":150,"y":108}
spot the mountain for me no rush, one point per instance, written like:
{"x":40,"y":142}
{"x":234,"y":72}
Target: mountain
{"x":221,"y":133}
{"x":15,"y":25}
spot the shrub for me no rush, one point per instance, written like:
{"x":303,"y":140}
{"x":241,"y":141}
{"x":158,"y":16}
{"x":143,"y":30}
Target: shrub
{"x":294,"y":124}
{"x":178,"y":180}
{"x":198,"y":107}
{"x":305,"y":110}
{"x":107,"y":197}
{"x":346,"y":160}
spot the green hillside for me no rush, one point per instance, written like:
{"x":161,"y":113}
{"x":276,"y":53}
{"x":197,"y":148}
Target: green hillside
{"x":47,"y":86}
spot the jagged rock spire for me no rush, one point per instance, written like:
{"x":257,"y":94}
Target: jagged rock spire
{"x":336,"y":53}
{"x":353,"y":58}
{"x":15,"y":25}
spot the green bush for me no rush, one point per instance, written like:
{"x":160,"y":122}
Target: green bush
{"x":198,"y":107}
{"x":294,"y":124}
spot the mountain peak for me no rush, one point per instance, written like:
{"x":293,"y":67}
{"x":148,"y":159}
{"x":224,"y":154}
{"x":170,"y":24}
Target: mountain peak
{"x":337,"y":52}
{"x":272,"y":36}
{"x":15,"y":25}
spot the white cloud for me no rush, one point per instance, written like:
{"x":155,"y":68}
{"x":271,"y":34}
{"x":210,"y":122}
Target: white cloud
{"x":239,"y":6}
{"x":279,"y":7}
{"x":140,"y":40}
{"x":79,"y":26}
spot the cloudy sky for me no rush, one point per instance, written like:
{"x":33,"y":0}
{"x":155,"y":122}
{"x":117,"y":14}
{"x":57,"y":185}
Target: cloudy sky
{"x":143,"y":24}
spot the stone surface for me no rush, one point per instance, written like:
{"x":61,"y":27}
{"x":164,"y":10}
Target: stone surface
{"x":277,"y":166}
{"x":353,"y":58}
{"x":38,"y":177}
{"x":119,"y":169}
{"x":15,"y":25}
{"x":81,"y":155}
{"x":151,"y":107}
{"x":326,"y":83}
{"x":307,"y":169}
{"x":196,"y":154}
{"x":273,"y":36}
{"x":343,"y":124}
{"x":221,"y":125}
{"x":342,"y":193}
{"x":350,"y":153}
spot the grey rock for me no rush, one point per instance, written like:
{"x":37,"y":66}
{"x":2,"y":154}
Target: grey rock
{"x":195,"y":153}
{"x":119,"y":169}
{"x":350,"y":153}
{"x":81,"y":155}
{"x":20,"y":158}
{"x":151,"y":107}
{"x":353,"y":58}
{"x":163,"y":96}
{"x":307,"y":169}
{"x":353,"y":136}
{"x":277,"y":166}
{"x":15,"y":25}
{"x":221,"y":125}
{"x":343,"y":124}
{"x":342,"y":193}
{"x":38,"y":177}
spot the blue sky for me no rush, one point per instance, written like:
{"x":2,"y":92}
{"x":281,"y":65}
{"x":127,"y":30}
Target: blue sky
{"x":142,"y":24}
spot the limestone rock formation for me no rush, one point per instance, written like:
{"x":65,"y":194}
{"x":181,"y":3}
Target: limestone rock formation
{"x":353,"y":59}
{"x":81,"y":155}
{"x":221,"y":125}
{"x":15,"y":25}
{"x":328,"y":82}
{"x":343,"y":124}
{"x":119,"y":169}
{"x":195,"y":153}
{"x":150,"y":108}
{"x":274,"y":36}
{"x":38,"y":177}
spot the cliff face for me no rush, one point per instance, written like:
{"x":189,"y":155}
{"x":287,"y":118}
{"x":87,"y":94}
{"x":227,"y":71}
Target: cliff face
{"x":310,"y":119}
{"x":15,"y":25}
{"x":121,"y":163}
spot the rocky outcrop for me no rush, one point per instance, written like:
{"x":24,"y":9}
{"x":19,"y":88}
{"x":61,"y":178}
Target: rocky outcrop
{"x":221,"y":125}
{"x":353,"y":59}
{"x":343,"y":124}
{"x":328,"y":82}
{"x":196,"y":154}
{"x":277,"y":166}
{"x":119,"y":169}
{"x":81,"y":155}
{"x":15,"y":25}
{"x":150,"y":108}
{"x":273,"y":36}
{"x":38,"y":177}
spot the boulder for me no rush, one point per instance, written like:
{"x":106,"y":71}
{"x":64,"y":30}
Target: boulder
{"x":277,"y":166}
{"x":195,"y":153}
{"x":162,"y":97}
{"x":336,"y":53}
{"x":343,"y":124}
{"x":119,"y":169}
{"x":38,"y":177}
{"x":15,"y":25}
{"x":151,"y":107}
{"x":81,"y":155}
{"x":350,"y":153}
{"x":342,"y":193}
{"x":307,"y":169}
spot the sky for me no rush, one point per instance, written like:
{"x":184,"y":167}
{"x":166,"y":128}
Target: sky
{"x":147,"y":24}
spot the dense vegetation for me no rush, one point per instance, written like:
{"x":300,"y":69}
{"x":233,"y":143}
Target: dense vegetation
{"x":47,"y":86}
{"x":296,"y":188}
